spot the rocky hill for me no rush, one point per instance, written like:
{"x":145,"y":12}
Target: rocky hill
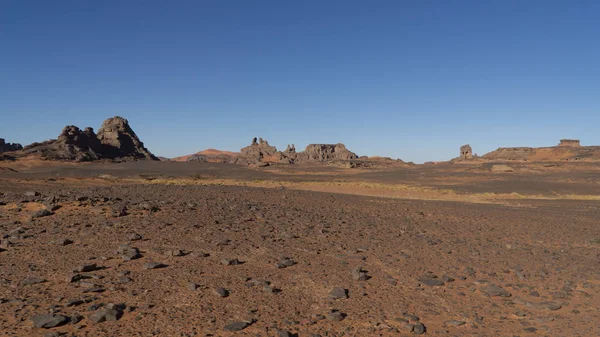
{"x":115,"y":140}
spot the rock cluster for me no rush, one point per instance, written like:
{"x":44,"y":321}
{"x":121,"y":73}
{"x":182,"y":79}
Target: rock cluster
{"x":114,"y":140}
{"x":9,"y":147}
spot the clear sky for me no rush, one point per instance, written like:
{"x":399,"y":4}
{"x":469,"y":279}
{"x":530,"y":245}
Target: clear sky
{"x":407,"y":79}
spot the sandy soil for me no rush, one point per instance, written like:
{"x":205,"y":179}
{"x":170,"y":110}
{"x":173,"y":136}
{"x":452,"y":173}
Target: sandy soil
{"x":443,"y":250}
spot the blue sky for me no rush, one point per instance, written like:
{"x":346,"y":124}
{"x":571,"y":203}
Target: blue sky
{"x":407,"y":79}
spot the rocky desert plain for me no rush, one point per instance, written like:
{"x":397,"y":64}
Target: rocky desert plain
{"x":99,"y":237}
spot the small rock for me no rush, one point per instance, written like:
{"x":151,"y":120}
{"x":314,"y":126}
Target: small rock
{"x":32,"y":280}
{"x":494,"y":290}
{"x":106,"y":314}
{"x":174,"y":252}
{"x":447,"y":278}
{"x":410,"y":317}
{"x":419,"y":329}
{"x":87,"y":268}
{"x":47,"y":321}
{"x":128,"y":253}
{"x":358,"y":274}
{"x":552,"y":306}
{"x":135,"y":237}
{"x":74,"y":302}
{"x":230,"y":262}
{"x":200,"y":254}
{"x":408,"y":327}
{"x":335,"y":316}
{"x":285,"y":262}
{"x":153,"y":265}
{"x":455,"y":323}
{"x":236,"y":326}
{"x":338,"y":293}
{"x":41,"y":213}
{"x":74,"y":278}
{"x":221,"y":292}
{"x":432,"y":282}
{"x":64,"y":242}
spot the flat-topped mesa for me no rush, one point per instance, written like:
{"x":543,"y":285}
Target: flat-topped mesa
{"x":569,"y":142}
{"x":466,"y":152}
{"x":9,"y":147}
{"x":327,"y":152}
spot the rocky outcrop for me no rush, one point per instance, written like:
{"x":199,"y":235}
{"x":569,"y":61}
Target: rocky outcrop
{"x":569,"y":142}
{"x":466,"y":152}
{"x":566,"y":150}
{"x":9,"y":147}
{"x":289,"y":156}
{"x":71,"y":144}
{"x":327,"y":152}
{"x":119,"y":140}
{"x":198,"y":158}
{"x":510,"y":153}
{"x":115,"y":140}
{"x":258,"y":152}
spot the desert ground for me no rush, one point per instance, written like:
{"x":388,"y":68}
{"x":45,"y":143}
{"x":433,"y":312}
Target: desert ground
{"x":152,"y":248}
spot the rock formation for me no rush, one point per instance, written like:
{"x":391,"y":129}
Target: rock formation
{"x":115,"y":140}
{"x":261,"y":152}
{"x":327,"y":152}
{"x":289,"y":156}
{"x":569,"y":142}
{"x":466,"y":152}
{"x":120,"y":141}
{"x":9,"y":147}
{"x":258,"y":152}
